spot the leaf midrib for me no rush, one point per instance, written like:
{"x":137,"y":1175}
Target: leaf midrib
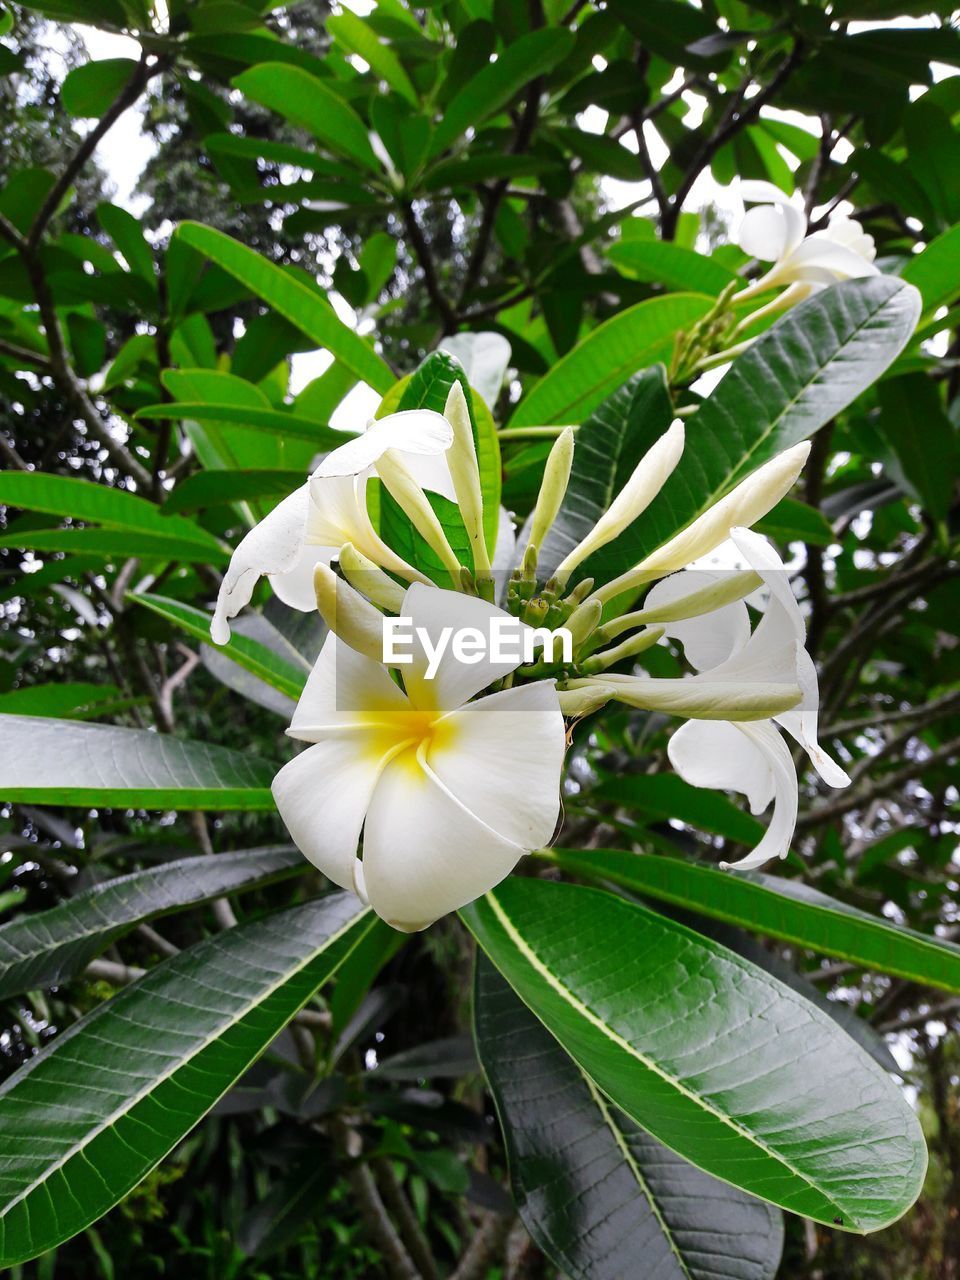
{"x":136,"y":1098}
{"x":596,"y":1021}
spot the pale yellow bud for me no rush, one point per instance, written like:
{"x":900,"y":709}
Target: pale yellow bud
{"x":587,"y":697}
{"x":465,"y":472}
{"x":584,"y":621}
{"x":347,"y":614}
{"x":628,"y":648}
{"x":370,"y":580}
{"x":705,"y":600}
{"x":553,"y":487}
{"x":407,"y":493}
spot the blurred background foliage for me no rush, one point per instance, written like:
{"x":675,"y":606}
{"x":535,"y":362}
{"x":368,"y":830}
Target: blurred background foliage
{"x":583,"y":177}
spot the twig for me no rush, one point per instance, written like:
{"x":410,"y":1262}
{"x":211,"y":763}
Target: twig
{"x":170,"y":686}
{"x":109,"y":971}
{"x":125,"y":98}
{"x":157,"y":940}
{"x":410,"y":1230}
{"x":935,"y":1013}
{"x":23,"y":354}
{"x":382,"y":1230}
{"x":927,"y":711}
{"x":485,"y":1247}
{"x":425,"y":258}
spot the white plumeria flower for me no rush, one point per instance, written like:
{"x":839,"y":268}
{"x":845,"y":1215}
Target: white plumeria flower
{"x":750,"y":757}
{"x":449,"y":794}
{"x":776,"y":231}
{"x":308,"y":527}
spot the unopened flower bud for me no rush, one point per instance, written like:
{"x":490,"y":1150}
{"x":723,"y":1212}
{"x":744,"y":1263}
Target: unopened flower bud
{"x":465,"y":472}
{"x":628,"y":648}
{"x":347,"y":614}
{"x":553,"y":487}
{"x":584,"y":621}
{"x":370,"y":580}
{"x":408,"y":494}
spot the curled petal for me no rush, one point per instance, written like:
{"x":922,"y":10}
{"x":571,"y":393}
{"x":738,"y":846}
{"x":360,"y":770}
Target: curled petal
{"x":763,"y":233}
{"x":411,"y":431}
{"x":425,"y":853}
{"x":752,"y":759}
{"x":295,"y":587}
{"x":502,"y":756}
{"x":274,"y":546}
{"x":710,"y":638}
{"x":322,"y":795}
{"x":823,"y":260}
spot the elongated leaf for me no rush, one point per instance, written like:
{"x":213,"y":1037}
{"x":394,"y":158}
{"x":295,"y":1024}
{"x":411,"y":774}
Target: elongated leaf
{"x":308,"y":102}
{"x":497,"y":83}
{"x":90,"y":89}
{"x":287,"y":675}
{"x":718,"y":1060}
{"x":606,"y":358}
{"x":357,"y":37}
{"x":659,"y":262}
{"x":778,"y":908}
{"x":65,"y":762}
{"x":45,"y":947}
{"x":793,"y":379}
{"x":219,"y":488}
{"x":660,"y":796}
{"x":594,"y":1190}
{"x":75,"y":700}
{"x":936,"y":270}
{"x":96,"y":503}
{"x":275,"y":421}
{"x":114,"y":544}
{"x":291,"y":299}
{"x":608,"y":447}
{"x":86,"y":1119}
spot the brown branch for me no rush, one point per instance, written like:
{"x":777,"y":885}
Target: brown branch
{"x":425,"y":258}
{"x":485,"y":1248}
{"x":127,"y":96}
{"x":927,"y":712}
{"x":410,"y":1229}
{"x":23,"y":354}
{"x":382,"y":1231}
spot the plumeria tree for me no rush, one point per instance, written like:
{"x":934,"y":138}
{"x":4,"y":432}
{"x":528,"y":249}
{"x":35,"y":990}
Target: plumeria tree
{"x":434,"y":958}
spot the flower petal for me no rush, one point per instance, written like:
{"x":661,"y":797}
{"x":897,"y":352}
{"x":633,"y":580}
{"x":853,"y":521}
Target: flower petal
{"x":763,"y":233}
{"x":502,"y":757}
{"x":345,"y":690}
{"x":322,"y":795}
{"x":752,"y":759}
{"x":424,"y":853}
{"x":411,"y":431}
{"x":337,"y":513}
{"x":781,"y":622}
{"x":820,"y":258}
{"x":484,"y":357}
{"x":273,"y":546}
{"x":433,"y":611}
{"x":295,"y":587}
{"x":709,"y":638}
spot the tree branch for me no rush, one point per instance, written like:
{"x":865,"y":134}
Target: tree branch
{"x":425,"y":257}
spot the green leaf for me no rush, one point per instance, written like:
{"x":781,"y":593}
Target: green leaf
{"x":634,"y":339}
{"x":659,"y":262}
{"x":793,"y":379}
{"x":47,"y":947}
{"x":86,"y":1119}
{"x":89,"y":90}
{"x":774,"y":1098}
{"x":428,"y":388}
{"x":272,"y":420}
{"x":64,"y":762}
{"x":291,"y":299}
{"x":98,"y":504}
{"x":777,"y":908}
{"x":608,"y":447}
{"x":566,"y":1144}
{"x":793,"y":521}
{"x":498,"y":83}
{"x":218,"y":488}
{"x":310,"y":104}
{"x":125,"y":232}
{"x":115,"y":544}
{"x":356,"y":36}
{"x":75,"y":700}
{"x":922,"y":437}
{"x":936,"y":270}
{"x":287,"y":675}
{"x":276,"y":1221}
{"x":661,"y":796}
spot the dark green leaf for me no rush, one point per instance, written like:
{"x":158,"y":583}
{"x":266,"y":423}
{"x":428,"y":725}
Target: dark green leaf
{"x":89,"y":90}
{"x":69,"y":763}
{"x":595,"y":1191}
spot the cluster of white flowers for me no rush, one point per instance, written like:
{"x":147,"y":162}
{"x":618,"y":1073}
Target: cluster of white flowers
{"x":422,"y":789}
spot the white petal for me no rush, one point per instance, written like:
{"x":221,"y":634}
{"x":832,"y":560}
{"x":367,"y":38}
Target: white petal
{"x":752,"y":759}
{"x":759,"y":191}
{"x":344,"y":690}
{"x":272,"y":546}
{"x":322,"y":795}
{"x":782,"y":621}
{"x":794,"y":220}
{"x":505,"y":549}
{"x":295,"y":587}
{"x":337,"y":513}
{"x":484,"y":357}
{"x":710,"y":638}
{"x":502,"y":756}
{"x":432,"y":473}
{"x":715,"y":754}
{"x":763,"y":233}
{"x":412,"y":431}
{"x":820,"y":258}
{"x":424,"y":854}
{"x":435,"y":611}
